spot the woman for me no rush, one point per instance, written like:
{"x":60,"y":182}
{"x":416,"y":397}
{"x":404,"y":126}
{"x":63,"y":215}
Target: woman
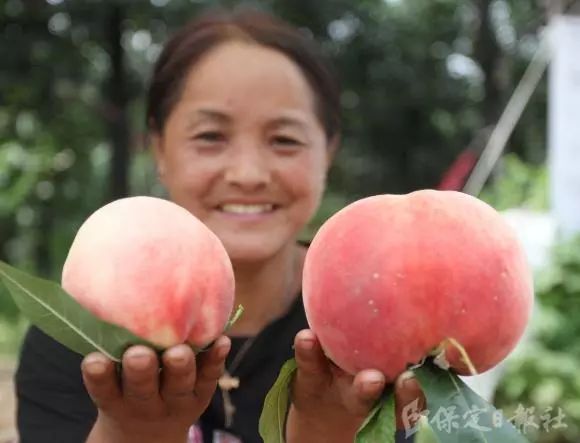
{"x":243,"y":115}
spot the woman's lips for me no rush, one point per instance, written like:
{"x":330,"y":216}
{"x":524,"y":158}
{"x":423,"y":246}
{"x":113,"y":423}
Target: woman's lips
{"x":247,"y":211}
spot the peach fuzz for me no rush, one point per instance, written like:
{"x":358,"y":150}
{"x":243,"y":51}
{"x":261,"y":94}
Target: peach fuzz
{"x":150,"y":266}
{"x":389,"y":278}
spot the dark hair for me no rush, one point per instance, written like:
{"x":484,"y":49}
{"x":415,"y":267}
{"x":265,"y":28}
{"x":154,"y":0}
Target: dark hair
{"x":189,"y":44}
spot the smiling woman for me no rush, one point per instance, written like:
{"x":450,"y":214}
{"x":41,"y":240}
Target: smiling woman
{"x":245,"y":138}
{"x":243,"y":115}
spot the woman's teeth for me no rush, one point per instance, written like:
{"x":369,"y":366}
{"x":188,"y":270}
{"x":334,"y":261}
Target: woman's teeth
{"x":246,"y":209}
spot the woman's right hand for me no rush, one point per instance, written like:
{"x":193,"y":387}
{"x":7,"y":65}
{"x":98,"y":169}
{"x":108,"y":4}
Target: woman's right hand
{"x":329,"y":405}
{"x":146,"y":405}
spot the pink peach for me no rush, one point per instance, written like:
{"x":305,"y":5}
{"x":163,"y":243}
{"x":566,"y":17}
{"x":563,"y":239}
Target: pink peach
{"x":391,"y":279}
{"x":150,"y":266}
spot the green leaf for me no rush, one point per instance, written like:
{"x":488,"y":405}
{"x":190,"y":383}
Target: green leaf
{"x":456,"y":414}
{"x":59,"y":315}
{"x":379,"y":426}
{"x":235,"y":317}
{"x":273,"y":418}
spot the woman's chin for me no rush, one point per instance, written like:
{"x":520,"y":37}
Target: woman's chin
{"x":251,"y":250}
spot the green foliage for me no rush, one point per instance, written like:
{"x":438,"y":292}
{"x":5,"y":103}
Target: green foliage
{"x":458,"y":414}
{"x":542,"y":377}
{"x":330,"y":205}
{"x":380,"y":424}
{"x":545,"y":373}
{"x":275,"y":410}
{"x":518,"y":184}
{"x":425,"y":434}
{"x":46,"y":305}
{"x":11,"y":333}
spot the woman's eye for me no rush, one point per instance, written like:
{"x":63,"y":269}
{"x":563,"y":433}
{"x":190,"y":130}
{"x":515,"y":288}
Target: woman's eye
{"x":210,"y":136}
{"x":286,"y":141}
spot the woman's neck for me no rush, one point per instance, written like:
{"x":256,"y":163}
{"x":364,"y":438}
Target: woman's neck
{"x":266,"y":290}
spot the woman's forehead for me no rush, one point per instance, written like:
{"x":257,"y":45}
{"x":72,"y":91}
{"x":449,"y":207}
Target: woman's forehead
{"x":238,"y":73}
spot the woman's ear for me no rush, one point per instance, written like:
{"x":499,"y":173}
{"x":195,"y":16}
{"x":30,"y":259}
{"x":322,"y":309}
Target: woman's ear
{"x":159,"y":153}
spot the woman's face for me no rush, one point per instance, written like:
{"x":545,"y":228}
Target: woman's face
{"x":243,"y":149}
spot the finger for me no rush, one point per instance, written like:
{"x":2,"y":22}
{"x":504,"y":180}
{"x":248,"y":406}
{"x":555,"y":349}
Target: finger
{"x":210,"y":368}
{"x":141,"y":379}
{"x":178,"y":377}
{"x":100,"y":379}
{"x":366,"y":388}
{"x":409,"y":400}
{"x":313,"y":367}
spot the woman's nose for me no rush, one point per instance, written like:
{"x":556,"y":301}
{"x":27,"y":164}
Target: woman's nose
{"x":248,"y":169}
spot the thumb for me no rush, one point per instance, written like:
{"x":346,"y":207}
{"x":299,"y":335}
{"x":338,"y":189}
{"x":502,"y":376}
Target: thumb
{"x":313,"y":370}
{"x":409,"y":401}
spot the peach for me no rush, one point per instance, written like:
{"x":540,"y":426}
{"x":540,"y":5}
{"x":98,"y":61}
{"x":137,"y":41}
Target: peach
{"x":150,"y":266}
{"x":392,"y":279}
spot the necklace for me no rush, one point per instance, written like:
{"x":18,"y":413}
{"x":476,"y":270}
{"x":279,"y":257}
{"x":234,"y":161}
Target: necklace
{"x":227,"y":381}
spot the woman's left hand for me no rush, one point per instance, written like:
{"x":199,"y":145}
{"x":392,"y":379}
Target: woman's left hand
{"x":145,"y":404}
{"x":329,"y":405}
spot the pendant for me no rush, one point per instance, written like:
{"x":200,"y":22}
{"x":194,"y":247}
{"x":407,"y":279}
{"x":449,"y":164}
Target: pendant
{"x":226,"y":382}
{"x":229,"y":411}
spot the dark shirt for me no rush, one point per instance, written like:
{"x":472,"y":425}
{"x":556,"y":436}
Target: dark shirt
{"x":257,"y":372}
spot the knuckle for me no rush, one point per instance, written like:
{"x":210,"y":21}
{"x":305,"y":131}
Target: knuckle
{"x":141,"y":396}
{"x":211,"y":373}
{"x":180,"y":394}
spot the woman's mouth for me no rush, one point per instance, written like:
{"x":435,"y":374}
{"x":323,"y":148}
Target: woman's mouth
{"x":250,"y":212}
{"x":247,"y":209}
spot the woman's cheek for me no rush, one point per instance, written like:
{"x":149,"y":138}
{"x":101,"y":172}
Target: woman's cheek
{"x":313,"y":193}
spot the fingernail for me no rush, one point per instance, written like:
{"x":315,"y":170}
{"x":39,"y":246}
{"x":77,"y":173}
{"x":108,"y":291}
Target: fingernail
{"x":375,"y":379}
{"x":178,"y":358}
{"x":373,"y":383}
{"x":95,"y":365}
{"x":139,"y":359}
{"x":406,"y":378}
{"x":307,"y":344}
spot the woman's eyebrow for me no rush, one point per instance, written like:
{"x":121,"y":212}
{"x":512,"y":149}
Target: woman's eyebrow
{"x":209,"y":114}
{"x":288,"y":121}
{"x":219,"y":116}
